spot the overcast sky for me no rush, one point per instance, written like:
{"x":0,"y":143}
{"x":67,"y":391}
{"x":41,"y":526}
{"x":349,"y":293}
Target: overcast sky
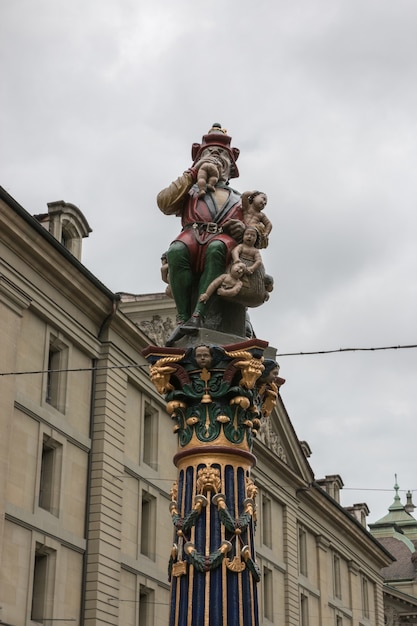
{"x":100,"y":103}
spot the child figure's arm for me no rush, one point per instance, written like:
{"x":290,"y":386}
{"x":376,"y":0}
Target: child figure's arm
{"x":257,"y":262}
{"x":212,"y":288}
{"x":236,"y":252}
{"x":232,"y":291}
{"x":245,"y":199}
{"x":266,"y":222}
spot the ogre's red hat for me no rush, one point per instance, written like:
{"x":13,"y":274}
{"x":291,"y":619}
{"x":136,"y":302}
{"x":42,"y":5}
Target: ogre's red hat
{"x":217,"y":136}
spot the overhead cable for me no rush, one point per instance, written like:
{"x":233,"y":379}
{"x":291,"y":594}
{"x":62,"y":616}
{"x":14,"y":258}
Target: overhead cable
{"x":133,"y":365}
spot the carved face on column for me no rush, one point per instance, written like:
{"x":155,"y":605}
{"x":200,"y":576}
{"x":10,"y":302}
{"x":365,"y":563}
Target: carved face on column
{"x":203,"y":357}
{"x":272,"y":376}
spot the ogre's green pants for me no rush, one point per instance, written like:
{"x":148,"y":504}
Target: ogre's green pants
{"x":182,"y":277}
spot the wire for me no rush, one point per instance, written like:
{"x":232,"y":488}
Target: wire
{"x":115,"y":367}
{"x":75,"y":369}
{"x":374,"y":489}
{"x":347,"y":350}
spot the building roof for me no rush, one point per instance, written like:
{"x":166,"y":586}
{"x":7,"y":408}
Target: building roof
{"x":405,"y":566}
{"x":397,"y":532}
{"x":397,"y":520}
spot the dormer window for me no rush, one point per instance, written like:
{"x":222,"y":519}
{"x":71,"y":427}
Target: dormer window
{"x":70,"y":237}
{"x":66,"y":239}
{"x":66,"y":223}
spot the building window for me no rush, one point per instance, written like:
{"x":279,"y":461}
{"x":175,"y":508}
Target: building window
{"x":71,"y":238}
{"x":43,"y":584}
{"x":337,"y":585}
{"x":304,"y":615}
{"x":66,"y":239}
{"x":148,"y":525}
{"x":50,"y":477}
{"x":56,"y":381}
{"x":302,"y":551}
{"x":146,"y":606}
{"x":268,"y":595}
{"x":365,"y":597}
{"x":150,"y":436}
{"x":266,"y":522}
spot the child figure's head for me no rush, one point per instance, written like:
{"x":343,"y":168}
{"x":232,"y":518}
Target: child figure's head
{"x":269,"y":283}
{"x":250,"y":236}
{"x":258,"y":200}
{"x":237,"y":270}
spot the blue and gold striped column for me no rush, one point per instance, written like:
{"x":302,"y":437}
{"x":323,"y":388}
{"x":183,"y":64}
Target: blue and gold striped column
{"x":216,"y":411}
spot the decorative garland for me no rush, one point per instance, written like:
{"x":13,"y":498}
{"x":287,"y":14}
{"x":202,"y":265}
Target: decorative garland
{"x":254,"y":569}
{"x":204,"y":563}
{"x":186,"y":523}
{"x":232,"y":524}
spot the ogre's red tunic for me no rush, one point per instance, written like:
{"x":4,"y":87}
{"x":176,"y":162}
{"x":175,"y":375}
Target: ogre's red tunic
{"x":202,"y":220}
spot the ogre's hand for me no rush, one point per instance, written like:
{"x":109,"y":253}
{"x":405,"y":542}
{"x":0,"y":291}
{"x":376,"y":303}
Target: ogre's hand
{"x":234,"y":228}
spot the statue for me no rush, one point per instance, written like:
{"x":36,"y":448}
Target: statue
{"x":256,"y":284}
{"x":253,"y":202}
{"x":217,"y":396}
{"x":246,"y":252}
{"x":212,"y":225}
{"x":208,"y":176}
{"x":228,"y":284}
{"x":268,"y":384}
{"x":165,"y":274}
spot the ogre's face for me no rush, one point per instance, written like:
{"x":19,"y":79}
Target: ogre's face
{"x":222,"y":158}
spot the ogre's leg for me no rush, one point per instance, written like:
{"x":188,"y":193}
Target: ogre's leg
{"x":180,"y":278}
{"x":214,"y":265}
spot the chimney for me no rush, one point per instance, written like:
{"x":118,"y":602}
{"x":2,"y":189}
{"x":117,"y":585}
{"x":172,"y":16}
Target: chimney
{"x":332,"y":484}
{"x":360,"y":511}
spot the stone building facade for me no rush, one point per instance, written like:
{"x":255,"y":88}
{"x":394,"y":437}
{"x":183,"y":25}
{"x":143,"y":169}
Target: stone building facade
{"x":86,"y":446}
{"x":86,"y":460}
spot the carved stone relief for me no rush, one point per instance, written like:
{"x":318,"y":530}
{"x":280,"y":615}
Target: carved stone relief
{"x":270,"y":438}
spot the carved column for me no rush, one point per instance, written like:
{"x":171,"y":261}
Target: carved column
{"x":216,"y":413}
